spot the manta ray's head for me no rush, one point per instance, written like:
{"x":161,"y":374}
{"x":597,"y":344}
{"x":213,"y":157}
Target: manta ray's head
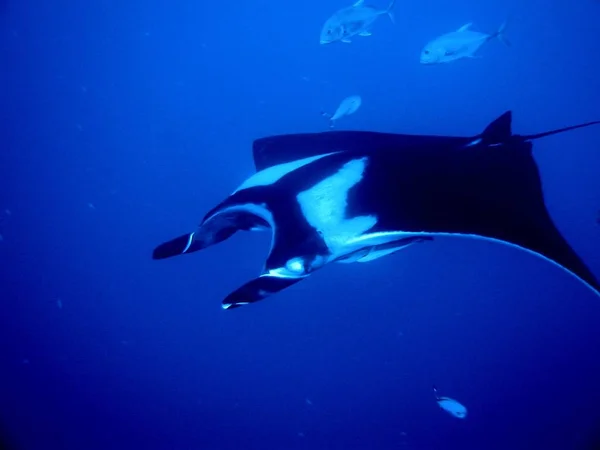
{"x":282,"y":269}
{"x":296,"y":250}
{"x":292,"y":258}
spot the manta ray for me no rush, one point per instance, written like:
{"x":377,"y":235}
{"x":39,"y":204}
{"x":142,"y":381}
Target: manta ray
{"x":356,"y":196}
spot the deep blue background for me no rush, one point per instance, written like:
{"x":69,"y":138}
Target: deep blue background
{"x":123,"y":122}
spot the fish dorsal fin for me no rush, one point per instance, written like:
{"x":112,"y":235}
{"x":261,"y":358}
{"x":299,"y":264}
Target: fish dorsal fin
{"x":499,"y":131}
{"x":358,"y":3}
{"x":465,"y":27}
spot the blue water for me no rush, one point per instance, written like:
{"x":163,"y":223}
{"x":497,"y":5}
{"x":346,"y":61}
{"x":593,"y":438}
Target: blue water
{"x":123,"y":123}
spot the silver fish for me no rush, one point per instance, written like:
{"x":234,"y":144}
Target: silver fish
{"x":451,"y":406}
{"x":462,"y":43}
{"x":355,"y":20}
{"x":348,"y":106}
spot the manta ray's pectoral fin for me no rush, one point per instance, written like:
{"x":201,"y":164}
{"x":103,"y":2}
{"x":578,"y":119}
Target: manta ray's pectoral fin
{"x":257,"y":289}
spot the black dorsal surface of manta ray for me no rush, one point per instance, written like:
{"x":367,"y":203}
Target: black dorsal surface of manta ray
{"x":352,"y":196}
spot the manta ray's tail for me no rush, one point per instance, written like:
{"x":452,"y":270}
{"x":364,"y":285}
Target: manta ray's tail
{"x":559,"y":130}
{"x":500,"y":131}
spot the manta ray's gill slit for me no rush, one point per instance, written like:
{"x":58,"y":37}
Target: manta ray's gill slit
{"x":324,"y":206}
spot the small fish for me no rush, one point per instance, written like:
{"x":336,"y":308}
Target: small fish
{"x":59,"y":303}
{"x":355,"y":20}
{"x":462,"y":43}
{"x":451,"y":406}
{"x":348,"y":106}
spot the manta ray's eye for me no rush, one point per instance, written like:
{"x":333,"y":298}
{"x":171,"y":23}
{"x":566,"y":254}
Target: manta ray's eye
{"x":427,"y":52}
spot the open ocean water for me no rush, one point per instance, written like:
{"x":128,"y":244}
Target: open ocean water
{"x":124,"y":122}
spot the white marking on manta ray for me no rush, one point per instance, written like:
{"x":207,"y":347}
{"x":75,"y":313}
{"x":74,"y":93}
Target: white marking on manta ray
{"x":382,"y":237}
{"x":374,"y":239}
{"x":376,"y":254}
{"x":229,"y":305}
{"x":324,"y":208}
{"x":257,"y":210}
{"x":475,"y":142}
{"x":295,"y":265}
{"x":249,"y":208}
{"x":298,"y":267}
{"x":189,"y":242}
{"x":273,"y":174}
{"x":285,"y":272}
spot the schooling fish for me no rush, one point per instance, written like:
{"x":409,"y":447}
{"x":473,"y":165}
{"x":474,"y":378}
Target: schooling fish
{"x":450,"y":405}
{"x":355,"y":20}
{"x":348,"y":106}
{"x":354,"y":196}
{"x":462,"y":43}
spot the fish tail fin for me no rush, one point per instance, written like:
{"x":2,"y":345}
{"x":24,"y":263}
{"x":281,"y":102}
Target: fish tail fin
{"x":328,"y":117}
{"x":390,"y":12}
{"x":501,"y":35}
